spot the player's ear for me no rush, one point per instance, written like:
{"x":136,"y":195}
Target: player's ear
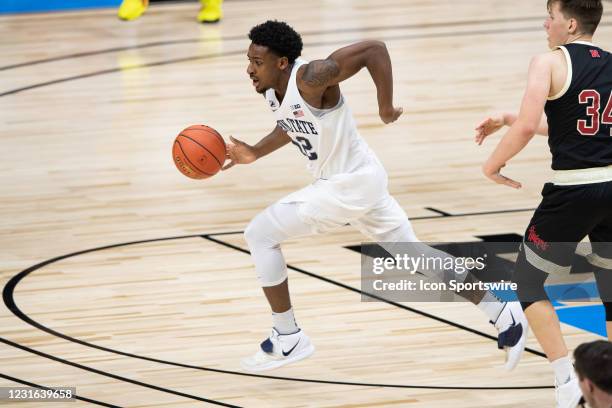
{"x":591,"y":386}
{"x":572,"y":26}
{"x":283,"y":63}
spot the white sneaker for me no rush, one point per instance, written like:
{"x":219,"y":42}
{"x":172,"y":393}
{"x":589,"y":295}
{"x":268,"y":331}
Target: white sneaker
{"x":512,"y":326}
{"x":278,"y":350}
{"x":569,"y":394}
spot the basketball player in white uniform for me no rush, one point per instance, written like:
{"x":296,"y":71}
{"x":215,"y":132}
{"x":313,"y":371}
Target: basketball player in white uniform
{"x":350,"y":184}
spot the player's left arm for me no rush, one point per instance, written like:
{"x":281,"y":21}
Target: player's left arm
{"x":345,"y":62}
{"x":527,"y":122}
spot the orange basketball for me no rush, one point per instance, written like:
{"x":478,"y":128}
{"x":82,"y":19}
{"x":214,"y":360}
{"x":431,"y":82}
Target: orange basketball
{"x":199,"y":151}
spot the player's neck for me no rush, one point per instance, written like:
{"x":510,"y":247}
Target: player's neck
{"x":579,"y":37}
{"x":283,"y":82}
{"x":606,"y":400}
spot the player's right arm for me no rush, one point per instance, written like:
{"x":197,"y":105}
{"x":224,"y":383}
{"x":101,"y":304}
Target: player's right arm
{"x":493,"y":123}
{"x":318,"y":75}
{"x":524,"y":127}
{"x":240,"y":152}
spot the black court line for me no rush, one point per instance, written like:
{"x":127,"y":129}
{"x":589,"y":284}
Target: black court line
{"x":7,"y":295}
{"x":244,"y":37}
{"x":113,"y":376}
{"x":442,"y":213}
{"x":373,"y":296}
{"x":114,"y":70}
{"x":9,"y":301}
{"x":303,"y":34}
{"x":42,"y":387}
{"x":243,"y":52}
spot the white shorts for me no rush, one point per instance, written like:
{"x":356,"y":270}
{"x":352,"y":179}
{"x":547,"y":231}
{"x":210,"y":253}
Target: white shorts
{"x":360,"y":199}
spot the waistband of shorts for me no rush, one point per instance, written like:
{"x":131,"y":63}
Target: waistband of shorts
{"x":582,"y":176}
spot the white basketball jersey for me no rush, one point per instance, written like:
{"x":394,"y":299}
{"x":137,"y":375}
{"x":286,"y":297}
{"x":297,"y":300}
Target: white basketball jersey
{"x":328,"y":138}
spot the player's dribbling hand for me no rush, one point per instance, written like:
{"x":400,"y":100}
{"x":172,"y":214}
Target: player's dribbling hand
{"x":239,"y":153}
{"x":391,"y":114}
{"x":487,"y":127}
{"x":493,"y":174}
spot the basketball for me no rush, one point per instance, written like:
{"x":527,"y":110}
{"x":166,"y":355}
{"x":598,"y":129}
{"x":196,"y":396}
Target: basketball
{"x":199,"y":152}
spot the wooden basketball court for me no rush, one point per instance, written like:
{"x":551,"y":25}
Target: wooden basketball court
{"x":132,"y":283}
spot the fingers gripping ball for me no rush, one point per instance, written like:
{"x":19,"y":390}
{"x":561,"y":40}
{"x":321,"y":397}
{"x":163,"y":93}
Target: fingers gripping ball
{"x":199,"y":152}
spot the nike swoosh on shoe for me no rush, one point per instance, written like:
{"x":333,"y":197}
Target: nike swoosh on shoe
{"x":292,"y":348}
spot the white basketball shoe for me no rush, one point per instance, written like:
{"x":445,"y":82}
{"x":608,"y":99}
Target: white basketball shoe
{"x":512,"y":326}
{"x":278,"y":350}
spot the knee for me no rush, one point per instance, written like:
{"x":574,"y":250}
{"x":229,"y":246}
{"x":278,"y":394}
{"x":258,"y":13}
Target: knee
{"x":260,"y":233}
{"x":252,"y":233}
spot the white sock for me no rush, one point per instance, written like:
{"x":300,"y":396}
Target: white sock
{"x":491,"y":306}
{"x":563,"y":369}
{"x":284,"y":322}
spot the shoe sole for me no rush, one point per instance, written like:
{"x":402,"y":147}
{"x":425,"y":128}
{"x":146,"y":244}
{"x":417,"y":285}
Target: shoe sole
{"x":130,"y":17}
{"x":271,"y":365}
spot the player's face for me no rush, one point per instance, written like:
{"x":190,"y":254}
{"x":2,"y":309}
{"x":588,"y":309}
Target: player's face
{"x":263,"y":68}
{"x":557,"y":26}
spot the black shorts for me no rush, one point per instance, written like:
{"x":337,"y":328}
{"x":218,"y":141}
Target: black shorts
{"x":565,"y":216}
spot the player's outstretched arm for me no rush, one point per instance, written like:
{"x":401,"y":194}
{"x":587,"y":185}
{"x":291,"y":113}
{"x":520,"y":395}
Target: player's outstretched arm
{"x":346,"y":62}
{"x":493,"y":123}
{"x":526,"y":124}
{"x":240,"y":152}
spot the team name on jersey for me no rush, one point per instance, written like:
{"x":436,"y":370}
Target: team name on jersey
{"x":297,"y":126}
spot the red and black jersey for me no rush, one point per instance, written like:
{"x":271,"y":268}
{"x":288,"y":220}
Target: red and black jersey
{"x":580,"y":116}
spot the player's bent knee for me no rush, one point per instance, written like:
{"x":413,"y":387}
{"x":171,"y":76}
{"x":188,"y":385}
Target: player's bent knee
{"x":263,"y":239}
{"x":250,"y":234}
{"x":258,"y":233}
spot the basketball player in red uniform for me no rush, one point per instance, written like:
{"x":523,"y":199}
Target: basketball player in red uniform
{"x":572,"y":84}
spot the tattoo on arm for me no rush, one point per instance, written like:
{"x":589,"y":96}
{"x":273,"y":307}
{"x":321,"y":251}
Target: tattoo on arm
{"x":319,"y":73}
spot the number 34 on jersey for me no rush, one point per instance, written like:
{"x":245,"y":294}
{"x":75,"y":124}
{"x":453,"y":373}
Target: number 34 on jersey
{"x":591,"y":126}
